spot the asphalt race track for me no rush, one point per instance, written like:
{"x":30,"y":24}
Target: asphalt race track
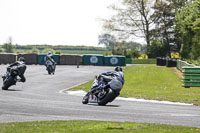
{"x":39,"y":99}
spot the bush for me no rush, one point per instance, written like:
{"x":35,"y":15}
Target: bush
{"x":45,"y":51}
{"x":58,"y":52}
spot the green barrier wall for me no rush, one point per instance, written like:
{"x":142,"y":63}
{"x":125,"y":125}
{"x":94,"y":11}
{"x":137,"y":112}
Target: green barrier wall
{"x":93,"y":60}
{"x":40,"y":58}
{"x":191,"y":77}
{"x":115,"y":61}
{"x":128,"y":61}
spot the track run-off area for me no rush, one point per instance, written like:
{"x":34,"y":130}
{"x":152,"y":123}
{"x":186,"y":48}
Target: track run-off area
{"x":40,"y":99}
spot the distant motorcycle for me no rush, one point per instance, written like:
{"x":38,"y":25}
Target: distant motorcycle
{"x":98,"y":94}
{"x":50,"y":66}
{"x":10,"y":78}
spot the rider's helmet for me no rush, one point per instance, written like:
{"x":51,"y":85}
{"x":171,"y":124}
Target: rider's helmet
{"x":118,"y":68}
{"x":49,"y":53}
{"x":21,"y":59}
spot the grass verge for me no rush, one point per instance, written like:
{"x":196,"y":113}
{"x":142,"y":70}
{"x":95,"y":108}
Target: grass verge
{"x":155,"y":83}
{"x":91,"y":127}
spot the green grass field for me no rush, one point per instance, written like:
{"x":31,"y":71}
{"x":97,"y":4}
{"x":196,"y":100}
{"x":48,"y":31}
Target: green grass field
{"x":155,"y":83}
{"x":92,"y":127}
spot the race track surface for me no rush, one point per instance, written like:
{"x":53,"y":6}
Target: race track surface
{"x":39,"y":99}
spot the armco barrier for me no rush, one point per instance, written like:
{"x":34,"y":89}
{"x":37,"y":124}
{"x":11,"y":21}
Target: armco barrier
{"x":30,"y":59}
{"x":93,"y":60}
{"x":114,"y":60}
{"x":181,"y":64}
{"x":7,"y":58}
{"x":70,"y":59}
{"x":191,"y":76}
{"x":40,"y":58}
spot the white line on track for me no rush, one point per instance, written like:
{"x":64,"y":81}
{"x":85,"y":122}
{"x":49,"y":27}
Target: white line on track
{"x":82,"y":93}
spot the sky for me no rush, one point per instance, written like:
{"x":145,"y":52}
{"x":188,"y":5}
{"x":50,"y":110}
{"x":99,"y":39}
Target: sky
{"x":54,"y":22}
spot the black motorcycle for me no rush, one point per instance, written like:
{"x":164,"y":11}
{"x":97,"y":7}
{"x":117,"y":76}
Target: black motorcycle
{"x":10,"y":78}
{"x":50,"y":67}
{"x":99,"y":94}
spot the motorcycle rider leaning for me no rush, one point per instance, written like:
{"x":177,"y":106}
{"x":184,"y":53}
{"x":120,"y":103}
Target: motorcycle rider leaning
{"x":49,"y":57}
{"x":21,"y":67}
{"x":114,"y":79}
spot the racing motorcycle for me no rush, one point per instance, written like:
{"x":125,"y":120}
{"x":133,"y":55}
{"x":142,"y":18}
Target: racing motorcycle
{"x":50,"y":67}
{"x":10,"y":78}
{"x":99,"y":94}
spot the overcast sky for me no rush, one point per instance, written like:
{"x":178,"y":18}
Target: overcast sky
{"x":65,"y":22}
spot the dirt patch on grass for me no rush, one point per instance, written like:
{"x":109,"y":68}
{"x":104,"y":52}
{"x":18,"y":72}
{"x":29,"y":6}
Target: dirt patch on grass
{"x":178,"y":72}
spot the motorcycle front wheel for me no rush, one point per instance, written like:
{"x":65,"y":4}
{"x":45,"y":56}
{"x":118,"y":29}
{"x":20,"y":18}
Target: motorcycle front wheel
{"x":85,"y":98}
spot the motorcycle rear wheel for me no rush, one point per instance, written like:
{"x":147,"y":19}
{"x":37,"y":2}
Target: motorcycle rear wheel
{"x":49,"y":69}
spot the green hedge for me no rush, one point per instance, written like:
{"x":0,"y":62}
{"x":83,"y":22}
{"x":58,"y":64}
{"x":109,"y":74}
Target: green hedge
{"x":143,"y":61}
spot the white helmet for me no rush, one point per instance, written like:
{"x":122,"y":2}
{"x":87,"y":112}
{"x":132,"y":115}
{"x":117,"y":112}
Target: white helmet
{"x":49,"y":53}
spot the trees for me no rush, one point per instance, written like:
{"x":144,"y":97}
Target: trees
{"x":108,"y":40}
{"x":8,"y":47}
{"x":154,"y":20}
{"x":165,"y":12}
{"x":188,"y":27}
{"x":133,"y":18}
{"x":129,"y":49}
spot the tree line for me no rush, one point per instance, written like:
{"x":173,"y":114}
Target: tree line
{"x":166,"y":25}
{"x":11,"y":48}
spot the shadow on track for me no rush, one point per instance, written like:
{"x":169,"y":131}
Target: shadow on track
{"x":104,"y":105}
{"x":12,"y":90}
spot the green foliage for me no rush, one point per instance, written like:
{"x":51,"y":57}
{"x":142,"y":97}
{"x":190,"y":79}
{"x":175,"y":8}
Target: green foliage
{"x":81,"y":52}
{"x":2,"y":50}
{"x":46,"y":50}
{"x":188,"y":27}
{"x":132,"y":54}
{"x":128,"y":49}
{"x":58,"y":52}
{"x":157,"y":49}
{"x":86,"y":126}
{"x":143,"y":61}
{"x":35,"y":50}
{"x":19,"y":51}
{"x":8,"y":47}
{"x":164,"y":15}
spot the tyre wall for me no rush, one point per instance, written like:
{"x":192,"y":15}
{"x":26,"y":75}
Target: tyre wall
{"x":30,"y":59}
{"x":71,"y":60}
{"x":7,"y":58}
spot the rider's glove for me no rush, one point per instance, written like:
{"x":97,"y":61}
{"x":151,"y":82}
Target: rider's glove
{"x":98,"y":76}
{"x":8,"y":69}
